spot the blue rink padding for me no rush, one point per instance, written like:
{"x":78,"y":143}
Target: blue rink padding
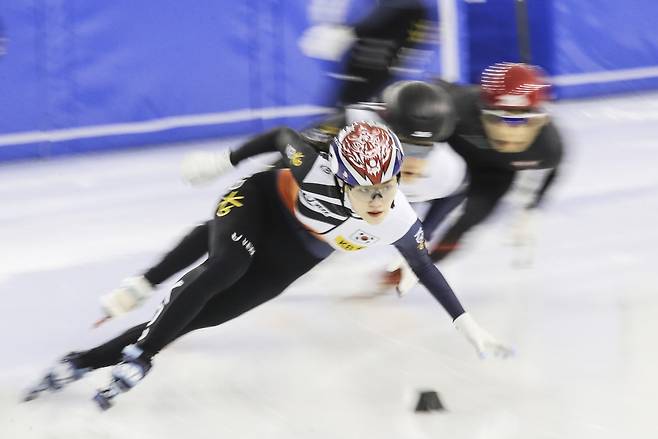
{"x":588,"y":47}
{"x":48,"y":149}
{"x":605,"y":87}
{"x":98,"y":65}
{"x":604,"y":46}
{"x":88,"y":65}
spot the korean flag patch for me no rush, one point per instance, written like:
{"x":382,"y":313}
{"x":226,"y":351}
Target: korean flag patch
{"x":362,"y":237}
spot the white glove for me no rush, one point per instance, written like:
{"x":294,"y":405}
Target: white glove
{"x":408,"y":278}
{"x":203,"y":167}
{"x":326,"y":41}
{"x":523,"y":236}
{"x":524,"y":228}
{"x":485,"y":344}
{"x":132,"y":293}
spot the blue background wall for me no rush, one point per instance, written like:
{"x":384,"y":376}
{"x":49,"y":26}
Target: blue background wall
{"x":90,"y":75}
{"x":589,"y":47}
{"x":77,"y":73}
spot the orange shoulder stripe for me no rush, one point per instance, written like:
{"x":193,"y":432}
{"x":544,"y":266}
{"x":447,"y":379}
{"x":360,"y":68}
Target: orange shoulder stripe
{"x":288,"y":189}
{"x":288,"y":192}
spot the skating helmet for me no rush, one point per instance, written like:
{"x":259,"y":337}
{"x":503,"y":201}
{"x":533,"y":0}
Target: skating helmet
{"x":418,"y":111}
{"x":365,"y":154}
{"x":513,"y":86}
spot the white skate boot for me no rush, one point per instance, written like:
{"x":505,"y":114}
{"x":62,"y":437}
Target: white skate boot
{"x":125,"y":375}
{"x":61,"y":374}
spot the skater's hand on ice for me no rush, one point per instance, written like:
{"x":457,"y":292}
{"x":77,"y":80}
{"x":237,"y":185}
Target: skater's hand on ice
{"x":523,"y":231}
{"x":485,"y":344}
{"x":203,"y":167}
{"x":523,"y":236}
{"x":400,"y":275}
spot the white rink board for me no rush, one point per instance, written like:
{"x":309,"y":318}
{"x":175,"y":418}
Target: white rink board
{"x":322,"y":360}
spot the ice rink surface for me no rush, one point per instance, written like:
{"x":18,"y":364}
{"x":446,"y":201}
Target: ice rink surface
{"x":327,"y":359}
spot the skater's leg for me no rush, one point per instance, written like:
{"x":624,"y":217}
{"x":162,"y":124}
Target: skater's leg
{"x":485,"y":190}
{"x":236,"y":233}
{"x":189,"y":250}
{"x":438,"y":211}
{"x":279,"y":258}
{"x":135,"y":290}
{"x":282,"y":261}
{"x":75,"y":365}
{"x":264,"y":280}
{"x":109,"y":353}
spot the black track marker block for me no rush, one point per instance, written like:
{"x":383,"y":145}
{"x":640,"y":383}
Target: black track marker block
{"x":429,"y":401}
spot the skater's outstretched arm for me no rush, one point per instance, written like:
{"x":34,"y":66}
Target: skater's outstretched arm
{"x":298,"y":154}
{"x":438,"y":211}
{"x":549,"y":180}
{"x":485,"y":190}
{"x":412,"y":247}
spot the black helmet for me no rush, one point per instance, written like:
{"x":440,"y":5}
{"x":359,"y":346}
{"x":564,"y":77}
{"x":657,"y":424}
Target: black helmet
{"x":419,"y":111}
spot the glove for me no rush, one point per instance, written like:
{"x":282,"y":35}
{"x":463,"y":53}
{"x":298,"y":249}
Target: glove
{"x":400,"y":274}
{"x":523,"y":236}
{"x":485,"y":344}
{"x":326,"y":41}
{"x":131,"y":294}
{"x":202,"y":167}
{"x":524,"y":228}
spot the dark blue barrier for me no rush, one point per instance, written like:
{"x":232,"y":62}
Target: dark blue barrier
{"x":589,"y":47}
{"x":110,"y":66}
{"x":82,"y":76}
{"x":604,"y":46}
{"x":93,"y":76}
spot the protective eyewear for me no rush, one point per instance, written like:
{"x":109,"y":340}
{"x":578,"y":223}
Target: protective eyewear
{"x":513,"y":118}
{"x":371,"y":192}
{"x":416,"y":150}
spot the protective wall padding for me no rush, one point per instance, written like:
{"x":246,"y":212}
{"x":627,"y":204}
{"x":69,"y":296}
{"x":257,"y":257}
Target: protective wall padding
{"x":492,"y":35}
{"x":588,"y":47}
{"x":604,"y":46}
{"x":89,"y":64}
{"x":85,"y":75}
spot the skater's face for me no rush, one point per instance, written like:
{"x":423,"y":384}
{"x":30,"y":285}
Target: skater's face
{"x":372,"y":203}
{"x":512,"y":131}
{"x":415,"y":160}
{"x":412,"y":168}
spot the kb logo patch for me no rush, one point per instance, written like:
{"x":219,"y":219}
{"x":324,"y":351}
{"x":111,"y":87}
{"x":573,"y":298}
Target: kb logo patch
{"x":420,"y":239}
{"x":228,"y":203}
{"x":294,"y":156}
{"x":347,"y":245}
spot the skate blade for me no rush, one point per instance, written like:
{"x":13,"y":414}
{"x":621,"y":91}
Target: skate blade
{"x":101,"y":321}
{"x":34,"y":392}
{"x":102,"y":401}
{"x":104,"y":397}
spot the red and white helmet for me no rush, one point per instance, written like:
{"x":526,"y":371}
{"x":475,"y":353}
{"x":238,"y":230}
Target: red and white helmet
{"x":513,"y":86}
{"x":365,"y":154}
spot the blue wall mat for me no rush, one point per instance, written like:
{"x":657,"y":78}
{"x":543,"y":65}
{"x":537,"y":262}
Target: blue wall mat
{"x":589,"y":47}
{"x":82,"y":76}
{"x":604,"y":46}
